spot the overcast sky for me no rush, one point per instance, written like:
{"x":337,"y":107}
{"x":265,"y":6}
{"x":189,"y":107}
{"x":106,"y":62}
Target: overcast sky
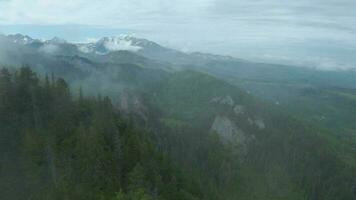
{"x":318,"y":33}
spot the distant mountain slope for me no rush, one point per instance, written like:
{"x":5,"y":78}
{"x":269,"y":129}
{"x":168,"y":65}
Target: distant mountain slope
{"x":278,"y":84}
{"x":270,"y":154}
{"x":127,"y":49}
{"x":56,"y":146}
{"x":209,"y":118}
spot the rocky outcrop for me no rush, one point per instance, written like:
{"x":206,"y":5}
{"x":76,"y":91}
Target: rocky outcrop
{"x":227,"y":100}
{"x":231,"y":134}
{"x":129,"y":102}
{"x":228,"y":130}
{"x":239,"y":109}
{"x":258,"y":122}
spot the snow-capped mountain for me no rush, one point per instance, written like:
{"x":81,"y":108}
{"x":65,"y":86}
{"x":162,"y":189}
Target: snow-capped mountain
{"x":21,"y":39}
{"x":115,"y":43}
{"x":55,"y":40}
{"x":26,"y":40}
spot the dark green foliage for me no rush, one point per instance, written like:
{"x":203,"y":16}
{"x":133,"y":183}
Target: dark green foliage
{"x":288,"y":159}
{"x":55,"y":146}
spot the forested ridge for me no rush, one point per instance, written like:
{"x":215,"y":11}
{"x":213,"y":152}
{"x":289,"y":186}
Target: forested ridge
{"x":287,"y":158}
{"x":56,"y":145}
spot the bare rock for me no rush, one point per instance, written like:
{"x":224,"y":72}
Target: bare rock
{"x":231,"y":134}
{"x":258,"y":122}
{"x":239,"y":109}
{"x":227,"y":100}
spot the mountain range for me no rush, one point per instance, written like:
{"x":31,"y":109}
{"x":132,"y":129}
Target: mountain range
{"x":238,"y":129}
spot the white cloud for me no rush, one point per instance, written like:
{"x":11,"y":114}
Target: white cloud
{"x":49,"y":49}
{"x":242,"y":28}
{"x":89,"y":40}
{"x":104,"y":12}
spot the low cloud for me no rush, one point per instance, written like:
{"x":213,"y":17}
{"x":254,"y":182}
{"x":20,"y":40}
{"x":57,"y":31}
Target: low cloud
{"x":49,"y":49}
{"x":240,"y":28}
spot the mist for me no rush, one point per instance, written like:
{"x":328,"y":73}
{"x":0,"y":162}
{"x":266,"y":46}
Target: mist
{"x":177,"y":100}
{"x":318,"y":34}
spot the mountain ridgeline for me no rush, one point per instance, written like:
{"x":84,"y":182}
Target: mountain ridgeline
{"x":148,"y":122}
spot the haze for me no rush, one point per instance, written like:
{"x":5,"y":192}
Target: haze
{"x":319,"y":33}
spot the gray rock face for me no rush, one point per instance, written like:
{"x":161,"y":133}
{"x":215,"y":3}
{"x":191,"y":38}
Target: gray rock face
{"x":258,"y":122}
{"x":132,"y":103}
{"x":228,"y":130}
{"x":124,"y":101}
{"x":232,"y":135}
{"x":239,"y":109}
{"x":227,"y":100}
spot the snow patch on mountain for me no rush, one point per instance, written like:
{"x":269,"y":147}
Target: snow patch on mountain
{"x":85,"y":48}
{"x":56,"y":40}
{"x":116,"y":43}
{"x":21,"y":39}
{"x":119,"y":43}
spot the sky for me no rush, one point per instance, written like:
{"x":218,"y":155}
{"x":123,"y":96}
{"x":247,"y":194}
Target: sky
{"x":314,"y":33}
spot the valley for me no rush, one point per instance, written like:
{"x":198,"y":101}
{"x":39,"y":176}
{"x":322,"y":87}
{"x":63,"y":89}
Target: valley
{"x":126,"y":118}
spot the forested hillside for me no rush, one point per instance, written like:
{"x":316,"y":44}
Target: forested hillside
{"x":174,"y":125}
{"x":194,"y":143}
{"x":248,"y":149}
{"x":58,"y":146}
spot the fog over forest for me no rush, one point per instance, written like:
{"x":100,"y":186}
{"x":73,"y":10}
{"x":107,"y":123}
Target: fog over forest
{"x":177,"y":100}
